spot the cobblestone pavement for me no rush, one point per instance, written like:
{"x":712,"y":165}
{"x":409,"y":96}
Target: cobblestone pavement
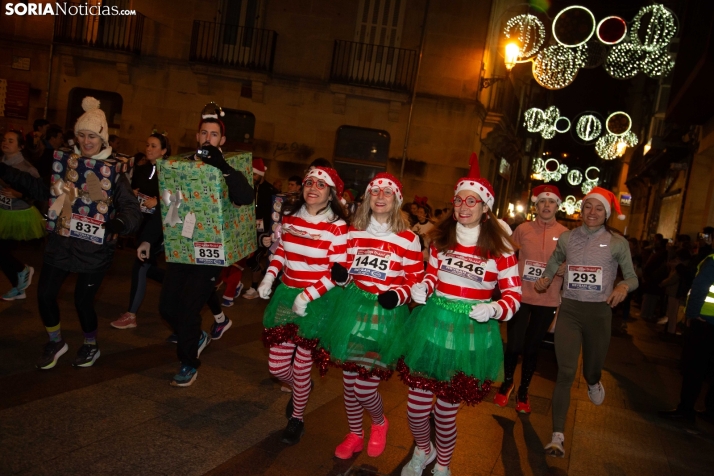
{"x":122,"y":417}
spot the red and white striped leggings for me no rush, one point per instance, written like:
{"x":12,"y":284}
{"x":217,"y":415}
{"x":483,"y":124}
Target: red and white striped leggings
{"x":295,"y":373}
{"x":419,"y":406}
{"x":361,"y":393}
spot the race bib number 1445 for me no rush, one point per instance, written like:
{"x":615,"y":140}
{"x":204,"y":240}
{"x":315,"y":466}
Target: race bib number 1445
{"x":372,"y":263}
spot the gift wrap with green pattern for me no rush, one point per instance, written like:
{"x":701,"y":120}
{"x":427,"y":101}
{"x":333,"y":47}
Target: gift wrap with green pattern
{"x":223,"y":233}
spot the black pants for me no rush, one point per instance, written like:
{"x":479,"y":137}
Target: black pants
{"x":142,"y":271}
{"x":8,"y":263}
{"x":214,"y":303}
{"x":185,"y":291}
{"x":697,"y":363}
{"x":526,"y":330}
{"x":51,"y":279}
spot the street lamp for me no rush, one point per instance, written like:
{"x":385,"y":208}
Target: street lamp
{"x":511,"y":53}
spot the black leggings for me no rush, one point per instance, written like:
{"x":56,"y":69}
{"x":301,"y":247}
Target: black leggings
{"x":51,"y":279}
{"x":142,"y":271}
{"x":525,"y":332}
{"x":8,"y":263}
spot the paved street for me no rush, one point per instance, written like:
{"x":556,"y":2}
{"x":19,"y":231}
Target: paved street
{"x":122,"y":417}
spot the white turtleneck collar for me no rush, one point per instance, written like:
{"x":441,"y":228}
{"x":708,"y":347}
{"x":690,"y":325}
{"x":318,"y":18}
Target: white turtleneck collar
{"x":322,"y":217}
{"x":378,"y":229}
{"x":467,"y":236}
{"x":102,"y":155}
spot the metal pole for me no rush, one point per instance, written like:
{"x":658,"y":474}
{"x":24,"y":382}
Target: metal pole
{"x":49,"y":69}
{"x":416,"y":81}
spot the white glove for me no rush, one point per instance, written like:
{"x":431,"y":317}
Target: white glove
{"x":267,"y":241}
{"x":418,"y":293}
{"x":266,"y":286}
{"x":142,"y":251}
{"x":485,"y":311}
{"x":300,"y":304}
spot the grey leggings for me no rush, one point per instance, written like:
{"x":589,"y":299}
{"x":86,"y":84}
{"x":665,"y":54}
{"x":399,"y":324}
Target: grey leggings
{"x":580,"y":324}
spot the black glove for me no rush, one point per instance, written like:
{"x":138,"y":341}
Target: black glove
{"x":339,"y":273}
{"x":3,"y":168}
{"x":214,"y":157}
{"x":113,"y":226}
{"x":388,"y":300}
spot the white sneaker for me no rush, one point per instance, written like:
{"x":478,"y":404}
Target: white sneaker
{"x":555,"y":447}
{"x":251,"y":293}
{"x":419,"y":461}
{"x":596,"y":393}
{"x":662,"y":320}
{"x":443,"y":471}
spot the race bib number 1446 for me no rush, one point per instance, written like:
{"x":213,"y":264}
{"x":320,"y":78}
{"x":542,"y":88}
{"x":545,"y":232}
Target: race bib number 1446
{"x":464,"y":267}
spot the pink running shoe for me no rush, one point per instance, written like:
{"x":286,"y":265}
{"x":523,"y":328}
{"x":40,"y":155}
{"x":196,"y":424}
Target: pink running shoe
{"x":125,"y":321}
{"x":352,"y":444}
{"x":377,"y":439}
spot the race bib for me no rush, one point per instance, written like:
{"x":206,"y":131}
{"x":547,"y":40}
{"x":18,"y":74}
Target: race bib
{"x":372,"y":263}
{"x":5,"y":202}
{"x":533,"y":270}
{"x":209,"y":253}
{"x":142,"y":200}
{"x":471,"y":268}
{"x":86,"y":228}
{"x":585,"y":278}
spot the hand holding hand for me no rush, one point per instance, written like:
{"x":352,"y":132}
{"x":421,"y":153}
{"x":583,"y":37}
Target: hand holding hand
{"x":388,"y":299}
{"x":619,"y":293}
{"x":561,"y":269}
{"x":151,"y":202}
{"x":542,"y":284}
{"x":300,"y":304}
{"x":418,"y":293}
{"x":142,"y":251}
{"x":339,"y":273}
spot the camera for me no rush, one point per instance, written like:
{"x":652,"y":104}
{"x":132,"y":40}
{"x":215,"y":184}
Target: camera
{"x":202,"y":153}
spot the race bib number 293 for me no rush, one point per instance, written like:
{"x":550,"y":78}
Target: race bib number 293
{"x":585,"y":278}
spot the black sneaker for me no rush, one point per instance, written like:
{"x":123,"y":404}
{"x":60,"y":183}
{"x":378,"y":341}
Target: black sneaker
{"x":51,"y":352}
{"x":86,"y":356}
{"x":289,"y":408}
{"x":293,"y":431}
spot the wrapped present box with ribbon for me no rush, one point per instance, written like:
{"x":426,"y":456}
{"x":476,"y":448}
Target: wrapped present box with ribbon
{"x":201,"y":225}
{"x":81,"y":194}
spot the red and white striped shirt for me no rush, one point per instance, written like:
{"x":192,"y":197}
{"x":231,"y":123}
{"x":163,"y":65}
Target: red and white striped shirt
{"x":461,"y":274}
{"x":308,"y":247}
{"x":381,"y":263}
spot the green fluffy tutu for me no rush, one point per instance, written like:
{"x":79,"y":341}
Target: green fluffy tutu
{"x":361,"y":331}
{"x":21,"y":225}
{"x":282,"y":324}
{"x":445,"y":351}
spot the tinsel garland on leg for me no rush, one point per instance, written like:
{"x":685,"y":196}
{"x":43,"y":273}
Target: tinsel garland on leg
{"x":461,"y":387}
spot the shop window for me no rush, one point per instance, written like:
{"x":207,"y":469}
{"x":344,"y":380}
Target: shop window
{"x":109,"y":102}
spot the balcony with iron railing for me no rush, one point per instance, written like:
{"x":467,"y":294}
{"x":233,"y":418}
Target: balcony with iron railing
{"x":118,"y":33}
{"x":374,"y":66}
{"x":233,"y":46}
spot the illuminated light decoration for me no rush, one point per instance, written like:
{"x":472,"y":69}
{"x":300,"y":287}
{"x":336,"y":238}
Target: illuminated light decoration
{"x":575,"y":177}
{"x":574,"y":18}
{"x":618,"y":123}
{"x":610,"y":146}
{"x":556,"y":66}
{"x":530,"y":33}
{"x":553,"y":175}
{"x":588,"y":128}
{"x":538,"y":166}
{"x":570,"y":206}
{"x":590,"y":182}
{"x":657,"y":63}
{"x":660,"y":29}
{"x":578,"y":206}
{"x":586,"y":187}
{"x":624,"y":60}
{"x":562,"y":129}
{"x":611,"y":30}
{"x":597,"y":52}
{"x":536,"y":120}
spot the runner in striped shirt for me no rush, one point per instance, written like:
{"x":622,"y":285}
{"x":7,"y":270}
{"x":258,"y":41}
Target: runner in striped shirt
{"x":313,"y":239}
{"x":385,"y":260}
{"x":452,"y":346}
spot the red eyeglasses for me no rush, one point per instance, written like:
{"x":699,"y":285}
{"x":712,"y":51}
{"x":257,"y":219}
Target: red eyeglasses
{"x":470,"y":201}
{"x":387,"y":191}
{"x":319,"y":184}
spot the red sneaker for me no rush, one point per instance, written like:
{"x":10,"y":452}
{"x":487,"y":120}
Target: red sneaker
{"x":377,"y":439}
{"x":501,"y":399}
{"x":523,"y":407}
{"x":125,"y":321}
{"x":352,"y":444}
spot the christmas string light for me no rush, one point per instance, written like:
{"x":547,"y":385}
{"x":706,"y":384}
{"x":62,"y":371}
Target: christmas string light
{"x":624,"y":61}
{"x":588,"y":128}
{"x":556,"y":66}
{"x":530,"y":34}
{"x":570,"y":206}
{"x":538,"y":166}
{"x":556,"y":174}
{"x":575,"y":177}
{"x":590,"y":182}
{"x":578,"y":11}
{"x":618,"y":123}
{"x":544,"y":122}
{"x":610,"y":146}
{"x":660,"y":30}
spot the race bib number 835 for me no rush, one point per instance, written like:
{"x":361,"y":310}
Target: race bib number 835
{"x":209,"y":253}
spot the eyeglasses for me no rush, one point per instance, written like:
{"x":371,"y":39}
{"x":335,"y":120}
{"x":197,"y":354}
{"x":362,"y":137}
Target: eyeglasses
{"x":319,"y":184}
{"x":470,"y":201}
{"x":387,"y":191}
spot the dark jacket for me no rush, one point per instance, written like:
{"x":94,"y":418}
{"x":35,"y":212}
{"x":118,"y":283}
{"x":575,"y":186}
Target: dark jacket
{"x":700,"y":289}
{"x":69,"y":253}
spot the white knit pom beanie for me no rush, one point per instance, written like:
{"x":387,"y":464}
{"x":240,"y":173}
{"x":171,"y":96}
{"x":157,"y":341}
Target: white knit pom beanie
{"x":93,"y":119}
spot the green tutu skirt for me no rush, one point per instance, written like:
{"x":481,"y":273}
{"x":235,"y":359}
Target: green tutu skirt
{"x":446,"y":352}
{"x":21,"y":225}
{"x":358,"y":334}
{"x":281,"y":324}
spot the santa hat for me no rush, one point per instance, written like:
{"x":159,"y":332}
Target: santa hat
{"x":383,"y":179}
{"x":421,"y":201}
{"x":259,"y":167}
{"x":608,"y":199}
{"x":474,"y":183}
{"x":212,"y":110}
{"x":93,"y":119}
{"x":329,"y":175}
{"x":546,"y":191}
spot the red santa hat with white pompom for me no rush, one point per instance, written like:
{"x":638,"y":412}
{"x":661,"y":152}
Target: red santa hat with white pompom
{"x":546,"y":191}
{"x":474,"y":183}
{"x":608,"y":199}
{"x":329,"y":176}
{"x":383,"y":179}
